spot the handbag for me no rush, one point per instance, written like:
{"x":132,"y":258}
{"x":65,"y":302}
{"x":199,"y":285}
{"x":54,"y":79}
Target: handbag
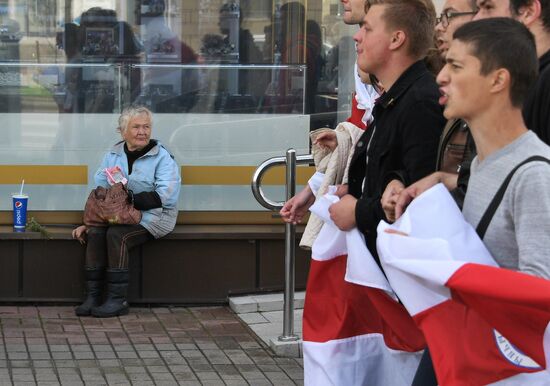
{"x":455,"y":151}
{"x":110,"y":206}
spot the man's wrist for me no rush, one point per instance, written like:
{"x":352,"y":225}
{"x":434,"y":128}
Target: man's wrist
{"x":448,"y":179}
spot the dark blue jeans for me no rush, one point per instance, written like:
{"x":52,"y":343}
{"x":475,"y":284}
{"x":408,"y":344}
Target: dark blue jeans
{"x":425,"y":374}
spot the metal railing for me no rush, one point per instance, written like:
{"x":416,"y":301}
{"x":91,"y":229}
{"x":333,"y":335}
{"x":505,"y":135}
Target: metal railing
{"x":291,"y":160}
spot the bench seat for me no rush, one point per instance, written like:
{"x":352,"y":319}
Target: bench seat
{"x":195,"y":264}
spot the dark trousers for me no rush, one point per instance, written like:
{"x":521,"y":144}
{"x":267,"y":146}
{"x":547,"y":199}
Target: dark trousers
{"x":110,"y":246}
{"x":425,"y":374}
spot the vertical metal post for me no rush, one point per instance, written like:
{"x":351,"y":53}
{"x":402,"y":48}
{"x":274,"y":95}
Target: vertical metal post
{"x":290,"y":161}
{"x":290,"y":252}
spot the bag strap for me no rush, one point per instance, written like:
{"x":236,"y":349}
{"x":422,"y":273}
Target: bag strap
{"x":493,"y":206}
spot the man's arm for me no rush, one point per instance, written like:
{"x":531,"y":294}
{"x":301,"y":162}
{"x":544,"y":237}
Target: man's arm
{"x":418,"y":135}
{"x":411,"y":192}
{"x":294,"y":210}
{"x":531,"y":219}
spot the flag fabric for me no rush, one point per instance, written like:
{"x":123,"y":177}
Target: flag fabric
{"x":353,"y":334}
{"x":483,"y":324}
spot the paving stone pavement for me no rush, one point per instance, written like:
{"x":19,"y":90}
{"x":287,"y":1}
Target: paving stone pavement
{"x":151,"y":346}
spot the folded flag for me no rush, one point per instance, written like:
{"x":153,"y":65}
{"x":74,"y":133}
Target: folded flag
{"x":353,"y":334}
{"x":483,"y":324}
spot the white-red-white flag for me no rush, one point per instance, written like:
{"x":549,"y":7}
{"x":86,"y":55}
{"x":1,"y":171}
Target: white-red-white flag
{"x":353,"y":334}
{"x":483,"y":324}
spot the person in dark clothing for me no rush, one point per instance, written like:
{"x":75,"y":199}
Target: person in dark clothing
{"x":536,"y":111}
{"x":535,"y":15}
{"x":456,"y":147}
{"x":407,"y":118}
{"x":102,"y":38}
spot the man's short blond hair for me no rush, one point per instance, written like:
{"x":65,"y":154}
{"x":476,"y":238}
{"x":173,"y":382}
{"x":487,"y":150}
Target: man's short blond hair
{"x":415,"y":17}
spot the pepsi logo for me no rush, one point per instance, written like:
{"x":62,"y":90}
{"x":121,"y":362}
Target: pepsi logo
{"x":18,"y":204}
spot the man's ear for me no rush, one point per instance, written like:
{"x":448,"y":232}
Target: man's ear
{"x":530,"y":13}
{"x":397,"y":40}
{"x":500,"y":80}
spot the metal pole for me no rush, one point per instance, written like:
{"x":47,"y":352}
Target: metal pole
{"x":290,"y":252}
{"x":291,"y":160}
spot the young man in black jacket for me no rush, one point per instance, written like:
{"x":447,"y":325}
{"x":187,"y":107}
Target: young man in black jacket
{"x":393,"y":40}
{"x":456,"y":148}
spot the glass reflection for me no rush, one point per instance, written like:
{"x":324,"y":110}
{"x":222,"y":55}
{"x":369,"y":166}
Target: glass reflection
{"x":173,"y":32}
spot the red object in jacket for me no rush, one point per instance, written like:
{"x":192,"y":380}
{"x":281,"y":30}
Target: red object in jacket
{"x":356,"y":114}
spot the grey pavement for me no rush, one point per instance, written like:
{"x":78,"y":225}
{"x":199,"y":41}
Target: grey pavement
{"x":43,"y":345}
{"x":264,"y":315}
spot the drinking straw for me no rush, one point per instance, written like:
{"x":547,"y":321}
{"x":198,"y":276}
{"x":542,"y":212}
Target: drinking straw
{"x":22,"y":184}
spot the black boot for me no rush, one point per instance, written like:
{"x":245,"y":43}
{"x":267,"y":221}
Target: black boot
{"x":94,"y":282}
{"x":115,"y":304}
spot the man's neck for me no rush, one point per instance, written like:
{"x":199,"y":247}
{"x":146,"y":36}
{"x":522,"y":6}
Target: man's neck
{"x":542,"y":38}
{"x":393,"y":69}
{"x":496,"y":128}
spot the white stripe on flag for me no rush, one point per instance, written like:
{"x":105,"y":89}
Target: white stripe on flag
{"x":332,"y":242}
{"x":359,"y":360}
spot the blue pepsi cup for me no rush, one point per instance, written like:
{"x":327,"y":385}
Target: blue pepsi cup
{"x":20,"y":202}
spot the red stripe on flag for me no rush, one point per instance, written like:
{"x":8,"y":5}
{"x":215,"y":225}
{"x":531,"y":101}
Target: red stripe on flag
{"x":514,"y":303}
{"x":463,"y":346}
{"x":336,"y":309}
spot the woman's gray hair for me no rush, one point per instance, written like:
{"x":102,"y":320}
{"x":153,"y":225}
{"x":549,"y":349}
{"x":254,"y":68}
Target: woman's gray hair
{"x":131,"y":112}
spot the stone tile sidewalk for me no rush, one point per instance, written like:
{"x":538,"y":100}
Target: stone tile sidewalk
{"x":150,"y":346}
{"x":263,"y":313}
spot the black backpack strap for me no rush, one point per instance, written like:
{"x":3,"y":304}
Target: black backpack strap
{"x":493,"y":206}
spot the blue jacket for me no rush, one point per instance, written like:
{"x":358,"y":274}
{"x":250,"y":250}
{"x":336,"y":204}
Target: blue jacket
{"x":155,"y":171}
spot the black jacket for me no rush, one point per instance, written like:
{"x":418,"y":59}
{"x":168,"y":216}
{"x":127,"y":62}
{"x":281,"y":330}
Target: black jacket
{"x":402,"y":142}
{"x":536,"y":109}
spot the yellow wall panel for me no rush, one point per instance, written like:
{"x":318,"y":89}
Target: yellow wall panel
{"x":240,"y":175}
{"x":44,"y":174}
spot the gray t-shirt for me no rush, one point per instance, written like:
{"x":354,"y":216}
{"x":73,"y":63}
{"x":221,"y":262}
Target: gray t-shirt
{"x":518,"y":236}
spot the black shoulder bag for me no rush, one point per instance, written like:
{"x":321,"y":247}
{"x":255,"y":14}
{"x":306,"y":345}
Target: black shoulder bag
{"x":493,"y":206}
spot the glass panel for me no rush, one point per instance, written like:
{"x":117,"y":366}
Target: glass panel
{"x":83,"y":88}
{"x":221,"y":88}
{"x":193,"y":32}
{"x":231,"y":82}
{"x":47,"y":132}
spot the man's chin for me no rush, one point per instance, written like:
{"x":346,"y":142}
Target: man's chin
{"x":347,"y":17}
{"x":442,"y":47}
{"x":362,"y":65}
{"x":448,"y":113}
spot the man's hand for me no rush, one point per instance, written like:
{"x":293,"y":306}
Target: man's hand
{"x":294,"y":210}
{"x":410,"y":193}
{"x":327,"y":140}
{"x":389,"y":198}
{"x":341,"y":190}
{"x":343,"y":213}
